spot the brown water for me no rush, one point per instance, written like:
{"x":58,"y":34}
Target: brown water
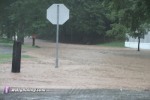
{"x":80,"y":66}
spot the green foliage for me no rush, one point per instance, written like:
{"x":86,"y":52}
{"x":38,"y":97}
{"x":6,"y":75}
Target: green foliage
{"x":113,"y":44}
{"x":141,"y":31}
{"x":90,"y":20}
{"x":129,"y":16}
{"x":118,"y":31}
{"x":87,"y":19}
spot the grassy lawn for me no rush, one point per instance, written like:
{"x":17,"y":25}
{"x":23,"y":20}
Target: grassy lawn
{"x":4,"y":58}
{"x":6,"y":42}
{"x":113,"y":44}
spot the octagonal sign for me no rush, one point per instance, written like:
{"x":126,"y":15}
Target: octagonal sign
{"x":58,"y":12}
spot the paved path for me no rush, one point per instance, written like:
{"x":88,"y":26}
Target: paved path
{"x":79,"y":94}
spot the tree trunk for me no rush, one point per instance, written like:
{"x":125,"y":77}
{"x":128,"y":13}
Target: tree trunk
{"x":20,"y":39}
{"x":21,"y":33}
{"x":16,"y":58}
{"x":139,"y":43}
{"x":33,"y":41}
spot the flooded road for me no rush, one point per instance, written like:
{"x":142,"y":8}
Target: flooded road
{"x":80,"y":67}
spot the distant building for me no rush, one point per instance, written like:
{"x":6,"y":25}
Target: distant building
{"x":133,"y":43}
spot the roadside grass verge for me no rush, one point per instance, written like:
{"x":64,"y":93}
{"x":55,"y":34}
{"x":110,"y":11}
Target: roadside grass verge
{"x":4,"y":58}
{"x":6,"y":42}
{"x":113,"y":44}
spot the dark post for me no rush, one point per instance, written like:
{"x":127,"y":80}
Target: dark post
{"x":33,"y":41}
{"x":138,"y":43}
{"x":16,"y":59}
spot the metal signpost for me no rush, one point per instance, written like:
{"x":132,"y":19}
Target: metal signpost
{"x":57,"y":14}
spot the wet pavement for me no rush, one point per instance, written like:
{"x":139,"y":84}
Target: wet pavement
{"x":78,"y":94}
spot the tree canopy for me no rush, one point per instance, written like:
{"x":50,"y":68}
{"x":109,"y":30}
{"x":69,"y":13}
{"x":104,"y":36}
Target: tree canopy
{"x":90,"y":21}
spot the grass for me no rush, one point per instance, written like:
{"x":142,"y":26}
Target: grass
{"x":2,"y":40}
{"x":6,"y":42}
{"x":113,"y":44}
{"x":4,"y":58}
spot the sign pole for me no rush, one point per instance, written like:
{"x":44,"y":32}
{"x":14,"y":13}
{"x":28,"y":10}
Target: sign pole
{"x":57,"y":37}
{"x":57,"y":14}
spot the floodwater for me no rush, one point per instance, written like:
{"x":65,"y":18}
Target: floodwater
{"x":5,"y":49}
{"x":83,"y":66}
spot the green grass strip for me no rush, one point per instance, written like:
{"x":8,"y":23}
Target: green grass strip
{"x":5,"y":40}
{"x":4,"y":58}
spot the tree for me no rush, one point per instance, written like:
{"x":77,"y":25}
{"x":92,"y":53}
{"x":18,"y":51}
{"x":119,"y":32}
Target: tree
{"x":5,"y":26}
{"x":130,"y":16}
{"x":138,"y":20}
{"x":18,"y":15}
{"x":25,"y":21}
{"x":87,"y":21}
{"x":115,"y":10}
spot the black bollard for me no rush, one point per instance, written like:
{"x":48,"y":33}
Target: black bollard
{"x":16,"y":59}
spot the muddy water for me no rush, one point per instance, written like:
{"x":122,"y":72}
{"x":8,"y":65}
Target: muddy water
{"x":5,"y":49}
{"x":80,"y":66}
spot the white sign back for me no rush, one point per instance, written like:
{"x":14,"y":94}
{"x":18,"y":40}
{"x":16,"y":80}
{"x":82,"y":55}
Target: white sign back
{"x":63,"y":14}
{"x":57,"y":14}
